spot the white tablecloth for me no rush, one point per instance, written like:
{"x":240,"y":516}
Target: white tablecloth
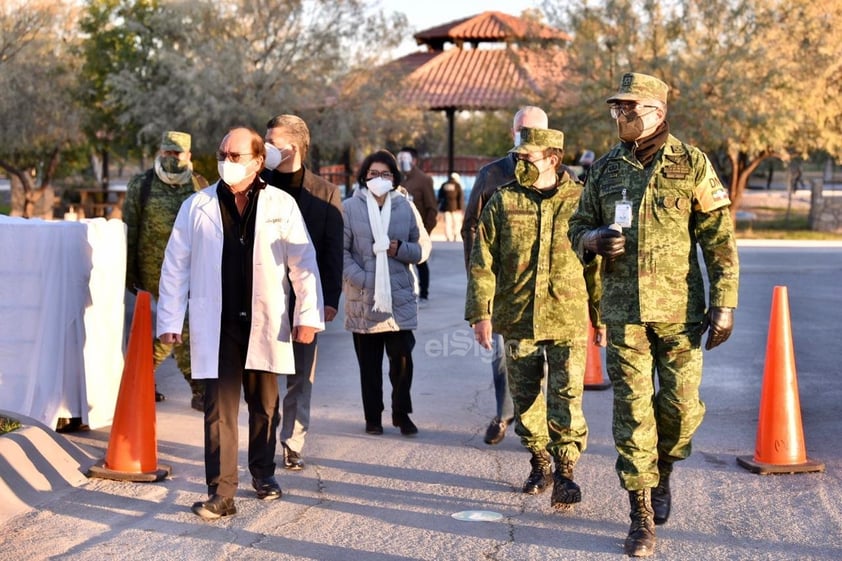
{"x":61,"y":304}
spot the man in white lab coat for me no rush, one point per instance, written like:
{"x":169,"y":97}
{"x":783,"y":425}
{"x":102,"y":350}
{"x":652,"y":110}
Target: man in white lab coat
{"x":235,"y":250}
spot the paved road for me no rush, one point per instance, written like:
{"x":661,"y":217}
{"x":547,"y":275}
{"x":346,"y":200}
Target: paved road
{"x":390,"y":498}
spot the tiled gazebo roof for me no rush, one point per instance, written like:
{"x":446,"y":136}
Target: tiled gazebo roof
{"x":512,"y":61}
{"x":488,"y":27}
{"x":480,"y":79}
{"x":518,"y":60}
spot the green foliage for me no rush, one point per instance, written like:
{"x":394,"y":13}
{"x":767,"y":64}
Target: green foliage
{"x":119,"y":39}
{"x":7,"y":424}
{"x":750,"y":79}
{"x":38,"y":75}
{"x":206,"y":66}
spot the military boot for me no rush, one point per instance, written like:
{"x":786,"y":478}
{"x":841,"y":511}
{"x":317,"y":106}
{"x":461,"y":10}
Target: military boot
{"x":541,"y":473}
{"x":566,"y":492}
{"x":641,"y":539}
{"x":661,"y":496}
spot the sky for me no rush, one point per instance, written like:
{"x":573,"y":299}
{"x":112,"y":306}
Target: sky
{"x":423,"y":14}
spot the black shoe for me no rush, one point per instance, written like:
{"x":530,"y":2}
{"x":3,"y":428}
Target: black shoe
{"x":215,"y":507}
{"x":641,"y":539}
{"x":159,"y":396}
{"x":496,"y":431}
{"x":566,"y":492}
{"x":292,"y":459}
{"x":267,"y":488}
{"x":198,"y":402}
{"x":402,"y":421}
{"x":72,"y":424}
{"x":373,"y":428}
{"x":541,"y":474}
{"x":661,"y":495}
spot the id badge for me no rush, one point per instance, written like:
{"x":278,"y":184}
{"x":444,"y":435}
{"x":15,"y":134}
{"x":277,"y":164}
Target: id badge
{"x":623,"y":212}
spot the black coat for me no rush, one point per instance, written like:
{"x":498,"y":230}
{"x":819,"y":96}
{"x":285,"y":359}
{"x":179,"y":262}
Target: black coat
{"x":321,"y":206}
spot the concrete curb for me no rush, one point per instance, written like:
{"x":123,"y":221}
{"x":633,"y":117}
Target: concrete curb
{"x":35,"y":463}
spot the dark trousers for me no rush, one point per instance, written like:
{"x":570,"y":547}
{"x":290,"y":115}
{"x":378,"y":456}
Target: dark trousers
{"x":369,"y":348}
{"x":423,"y":279}
{"x":222,"y":406}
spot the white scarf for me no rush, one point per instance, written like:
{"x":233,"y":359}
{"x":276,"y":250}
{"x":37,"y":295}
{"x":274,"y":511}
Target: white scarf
{"x":379,"y":220}
{"x":174,"y":179}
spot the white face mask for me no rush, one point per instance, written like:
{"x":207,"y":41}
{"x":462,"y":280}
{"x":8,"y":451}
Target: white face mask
{"x":230,"y":172}
{"x":274,"y":157}
{"x":379,"y":186}
{"x":405,"y":161}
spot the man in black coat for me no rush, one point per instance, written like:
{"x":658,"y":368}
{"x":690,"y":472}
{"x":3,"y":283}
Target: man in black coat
{"x":419,"y":185}
{"x":321,"y":206}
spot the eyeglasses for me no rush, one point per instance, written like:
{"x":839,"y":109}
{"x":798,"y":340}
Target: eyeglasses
{"x":233,"y":156}
{"x":373,"y":173}
{"x":618,"y":109}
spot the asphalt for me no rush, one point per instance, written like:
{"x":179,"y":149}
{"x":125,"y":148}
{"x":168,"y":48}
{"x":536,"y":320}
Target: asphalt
{"x":390,"y":498}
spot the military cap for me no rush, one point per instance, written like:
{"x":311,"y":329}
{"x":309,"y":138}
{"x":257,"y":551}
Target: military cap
{"x":175,"y":141}
{"x":534,"y":140}
{"x":635,"y":87}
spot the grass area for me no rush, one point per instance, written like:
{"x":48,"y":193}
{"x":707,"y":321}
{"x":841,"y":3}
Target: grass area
{"x":773,"y":223}
{"x":8,"y":424}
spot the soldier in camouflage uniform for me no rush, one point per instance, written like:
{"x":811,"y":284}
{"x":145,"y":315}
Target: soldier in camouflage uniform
{"x":152,"y":202}
{"x":646,"y":207}
{"x":526,"y":281}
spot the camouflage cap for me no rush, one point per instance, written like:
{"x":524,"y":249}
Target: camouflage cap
{"x":175,"y":141}
{"x":635,"y":87}
{"x":535,"y":140}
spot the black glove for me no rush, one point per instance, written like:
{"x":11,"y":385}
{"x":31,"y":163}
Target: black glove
{"x":605,"y":241}
{"x":720,"y":321}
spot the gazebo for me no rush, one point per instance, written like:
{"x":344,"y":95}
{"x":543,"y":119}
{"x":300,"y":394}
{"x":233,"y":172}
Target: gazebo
{"x":497,"y":61}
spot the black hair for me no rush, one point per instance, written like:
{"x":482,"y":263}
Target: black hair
{"x":383,"y":157}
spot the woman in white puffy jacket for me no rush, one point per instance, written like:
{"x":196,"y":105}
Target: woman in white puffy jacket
{"x":384,"y":235}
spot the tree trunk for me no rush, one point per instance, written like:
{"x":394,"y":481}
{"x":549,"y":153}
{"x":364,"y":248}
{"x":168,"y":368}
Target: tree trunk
{"x":27,"y":200}
{"x":742,"y":167}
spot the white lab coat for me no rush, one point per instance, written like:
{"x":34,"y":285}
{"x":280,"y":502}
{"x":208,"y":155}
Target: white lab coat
{"x":192,"y":269}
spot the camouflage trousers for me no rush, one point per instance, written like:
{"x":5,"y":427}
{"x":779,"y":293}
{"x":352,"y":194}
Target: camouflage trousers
{"x":181,"y":352}
{"x":654,"y":421}
{"x":555,"y":423}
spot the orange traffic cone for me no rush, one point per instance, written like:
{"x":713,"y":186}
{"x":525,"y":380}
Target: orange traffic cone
{"x":780,"y":436}
{"x":594,"y":379}
{"x":132,"y":453}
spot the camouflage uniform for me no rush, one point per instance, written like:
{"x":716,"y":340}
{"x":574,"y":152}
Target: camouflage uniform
{"x":525,"y":277}
{"x":148,"y":230}
{"x":654,"y":296}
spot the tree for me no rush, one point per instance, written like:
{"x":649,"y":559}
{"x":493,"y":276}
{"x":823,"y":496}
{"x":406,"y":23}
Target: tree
{"x":205,"y":66}
{"x":750,"y":79}
{"x":40,"y":120}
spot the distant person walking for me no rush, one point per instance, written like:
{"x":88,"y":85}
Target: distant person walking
{"x":451,"y":204}
{"x":419,"y":186}
{"x":586,"y":160}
